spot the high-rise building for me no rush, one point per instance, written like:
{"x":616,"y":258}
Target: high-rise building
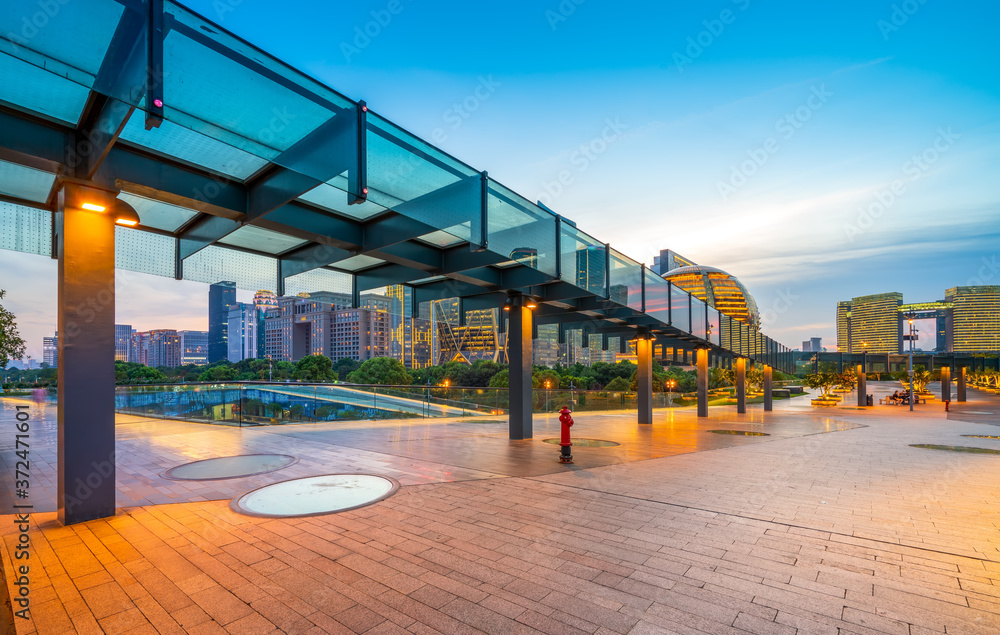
{"x":812,"y":345}
{"x":161,"y":347}
{"x":50,"y":350}
{"x":263,"y":301}
{"x":668,"y":260}
{"x":194,"y":347}
{"x":221,"y":296}
{"x":874,"y":323}
{"x":844,"y":326}
{"x":975,"y":318}
{"x":323,"y":323}
{"x":242,"y":332}
{"x":410,"y":338}
{"x":123,"y":343}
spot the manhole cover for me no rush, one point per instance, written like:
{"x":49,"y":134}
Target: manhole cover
{"x":954,"y":448}
{"x":229,"y":467}
{"x":585,"y":443}
{"x":315,"y":495}
{"x":981,"y":436}
{"x":746,"y":433}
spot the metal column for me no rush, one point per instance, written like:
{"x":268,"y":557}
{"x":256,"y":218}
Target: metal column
{"x":519,"y":355}
{"x":945,"y":383}
{"x":702,"y":365}
{"x":741,"y":385}
{"x":86,"y":365}
{"x":644,"y":383}
{"x":768,"y":390}
{"x":961,"y":384}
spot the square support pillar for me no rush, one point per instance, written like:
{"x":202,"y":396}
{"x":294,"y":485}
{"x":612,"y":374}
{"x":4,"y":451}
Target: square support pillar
{"x":960,"y":384}
{"x":741,"y":385}
{"x":862,"y":386}
{"x":702,"y":366}
{"x":945,"y":383}
{"x":86,"y":363}
{"x":644,"y":379}
{"x":519,"y":355}
{"x":768,"y":389}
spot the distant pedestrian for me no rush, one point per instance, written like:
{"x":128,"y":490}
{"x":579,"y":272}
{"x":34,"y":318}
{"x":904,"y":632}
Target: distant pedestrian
{"x":39,"y":395}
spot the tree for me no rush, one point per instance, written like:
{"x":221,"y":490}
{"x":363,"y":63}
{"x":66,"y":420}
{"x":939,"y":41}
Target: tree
{"x":381,"y":370}
{"x":345,"y":366}
{"x":539,"y":378}
{"x":824,"y":382}
{"x":314,"y":368}
{"x":501,"y":379}
{"x":11,"y":344}
{"x":618,"y":384}
{"x":219,"y":373}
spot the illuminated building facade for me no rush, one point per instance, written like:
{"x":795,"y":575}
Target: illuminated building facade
{"x":975,"y":318}
{"x":221,"y":296}
{"x":161,"y":347}
{"x":844,"y":326}
{"x":875,"y":323}
{"x":194,"y":347}
{"x":411,"y":339}
{"x":50,"y":350}
{"x":123,"y":343}
{"x":591,"y":269}
{"x":718,"y":289}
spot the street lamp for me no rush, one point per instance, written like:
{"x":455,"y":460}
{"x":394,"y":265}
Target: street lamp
{"x":910,"y":317}
{"x":670,"y":392}
{"x":547,"y":385}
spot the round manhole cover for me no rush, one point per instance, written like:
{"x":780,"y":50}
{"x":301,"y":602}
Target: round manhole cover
{"x":954,"y":448}
{"x":745,"y":433}
{"x":315,"y":495}
{"x":229,"y":467}
{"x":585,"y":443}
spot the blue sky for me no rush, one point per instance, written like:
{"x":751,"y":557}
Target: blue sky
{"x":816,"y":152}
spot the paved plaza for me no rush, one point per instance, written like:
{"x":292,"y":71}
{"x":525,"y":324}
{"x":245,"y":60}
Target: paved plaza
{"x":831,"y":524}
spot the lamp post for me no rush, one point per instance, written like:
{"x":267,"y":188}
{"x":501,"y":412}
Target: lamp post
{"x":547,"y":384}
{"x":912,"y":330}
{"x":864,"y":357}
{"x":670,"y":392}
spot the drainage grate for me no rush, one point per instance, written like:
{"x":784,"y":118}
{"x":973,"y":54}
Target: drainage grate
{"x":315,"y":495}
{"x":954,"y":448}
{"x":585,"y":443}
{"x":229,"y":467}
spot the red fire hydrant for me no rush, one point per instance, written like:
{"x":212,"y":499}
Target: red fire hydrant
{"x":566,"y":419}
{"x":946,"y":402}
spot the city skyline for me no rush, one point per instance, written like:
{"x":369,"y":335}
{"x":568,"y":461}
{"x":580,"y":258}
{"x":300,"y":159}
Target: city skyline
{"x":868,"y":137}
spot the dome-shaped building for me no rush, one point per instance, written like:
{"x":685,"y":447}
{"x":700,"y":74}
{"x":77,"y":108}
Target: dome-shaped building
{"x":718,"y":289}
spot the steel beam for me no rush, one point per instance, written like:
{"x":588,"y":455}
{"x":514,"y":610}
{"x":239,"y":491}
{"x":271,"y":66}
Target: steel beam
{"x":519,"y":353}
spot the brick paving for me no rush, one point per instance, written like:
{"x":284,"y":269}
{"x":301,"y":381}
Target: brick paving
{"x":850,"y":531}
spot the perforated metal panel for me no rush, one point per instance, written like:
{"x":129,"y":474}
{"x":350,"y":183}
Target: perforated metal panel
{"x":25,"y":229}
{"x":144,"y":252}
{"x":249,"y":271}
{"x":318,"y":280}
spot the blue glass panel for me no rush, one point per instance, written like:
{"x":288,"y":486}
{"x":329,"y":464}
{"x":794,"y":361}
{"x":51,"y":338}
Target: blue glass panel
{"x":657,"y":297}
{"x":333,"y":196}
{"x":415,"y":179}
{"x":715,"y":326}
{"x":74,"y":33}
{"x":440,"y":239}
{"x":25,"y":229}
{"x":36,"y":90}
{"x":520,"y":230}
{"x":249,"y":271}
{"x":698,"y":318}
{"x":584,"y":260}
{"x":264,"y":240}
{"x":357,"y":263}
{"x":178,"y":142}
{"x":680,"y":309}
{"x":626,"y":281}
{"x":157,"y":214}
{"x":25,"y":183}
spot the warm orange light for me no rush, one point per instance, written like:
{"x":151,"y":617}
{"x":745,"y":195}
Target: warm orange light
{"x":126,"y":222}
{"x":94,"y":207}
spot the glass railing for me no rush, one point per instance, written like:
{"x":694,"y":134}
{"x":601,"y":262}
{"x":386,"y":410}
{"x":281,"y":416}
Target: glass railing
{"x":264,"y":403}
